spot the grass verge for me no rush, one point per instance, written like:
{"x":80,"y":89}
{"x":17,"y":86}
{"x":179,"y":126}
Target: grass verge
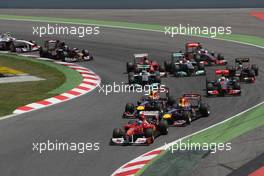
{"x":58,"y":79}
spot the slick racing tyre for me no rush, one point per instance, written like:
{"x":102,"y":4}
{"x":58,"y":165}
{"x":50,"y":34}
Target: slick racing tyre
{"x":187,"y":117}
{"x":167,"y":66}
{"x":204,"y":110}
{"x":163,"y":127}
{"x":170,"y":101}
{"x":255,"y":68}
{"x":149,"y":135}
{"x":118,"y":133}
{"x":130,"y":67}
{"x":130,"y":107}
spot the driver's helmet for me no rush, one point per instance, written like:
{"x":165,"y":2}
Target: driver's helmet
{"x":146,"y":61}
{"x":183,"y":102}
{"x":240,"y":66}
{"x":153,"y":95}
{"x":144,"y":72}
{"x":222,"y":79}
{"x":202,"y":50}
{"x":142,"y":117}
{"x":139,"y":122}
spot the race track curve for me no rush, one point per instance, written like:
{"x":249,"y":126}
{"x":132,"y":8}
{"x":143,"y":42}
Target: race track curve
{"x":92,"y":117}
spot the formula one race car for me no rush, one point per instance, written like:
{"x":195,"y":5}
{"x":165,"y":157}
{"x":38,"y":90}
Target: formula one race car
{"x":144,"y":78}
{"x":157,"y":100}
{"x":141,"y":62}
{"x":223,"y":85}
{"x":244,"y":73}
{"x":21,"y":46}
{"x":9,"y":43}
{"x":143,"y":130}
{"x":188,"y":108}
{"x":195,"y":51}
{"x":179,"y":66}
{"x":55,"y":49}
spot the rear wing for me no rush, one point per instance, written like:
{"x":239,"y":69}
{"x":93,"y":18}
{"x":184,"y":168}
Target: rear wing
{"x":222,"y":72}
{"x":192,"y":96}
{"x":143,"y":66}
{"x":241,"y":60}
{"x":176,"y":55}
{"x":149,"y":113}
{"x":140,"y":55}
{"x":192,"y":45}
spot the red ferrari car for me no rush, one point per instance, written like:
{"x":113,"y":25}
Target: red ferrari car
{"x":140,"y":131}
{"x":141,"y":62}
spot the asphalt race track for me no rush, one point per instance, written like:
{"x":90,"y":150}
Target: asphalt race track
{"x":92,"y":117}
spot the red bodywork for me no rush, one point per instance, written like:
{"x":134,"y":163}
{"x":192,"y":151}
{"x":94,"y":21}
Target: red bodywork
{"x":134,"y":128}
{"x":222,"y":72}
{"x":153,"y":65}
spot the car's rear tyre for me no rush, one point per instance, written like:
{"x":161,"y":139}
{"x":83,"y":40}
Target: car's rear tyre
{"x":204,"y":110}
{"x":167,"y":66}
{"x":237,"y":86}
{"x":210,"y":86}
{"x":149,"y":134}
{"x":255,"y":68}
{"x":187,"y":117}
{"x":12,"y":47}
{"x":130,"y":107}
{"x":170,"y":101}
{"x":130,"y":67}
{"x":251,"y":73}
{"x":118,"y":133}
{"x":131,"y":78}
{"x":163,"y":127}
{"x":162,"y":68}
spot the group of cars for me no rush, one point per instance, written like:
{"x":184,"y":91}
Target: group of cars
{"x":151,"y":116}
{"x":53,"y":49}
{"x":154,"y":113}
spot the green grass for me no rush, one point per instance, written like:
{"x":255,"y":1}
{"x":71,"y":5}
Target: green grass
{"x":219,"y":134}
{"x":14,"y":95}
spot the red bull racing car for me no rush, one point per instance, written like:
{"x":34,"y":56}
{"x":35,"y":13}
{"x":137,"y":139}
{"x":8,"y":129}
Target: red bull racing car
{"x":157,"y":100}
{"x":189,"y":107}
